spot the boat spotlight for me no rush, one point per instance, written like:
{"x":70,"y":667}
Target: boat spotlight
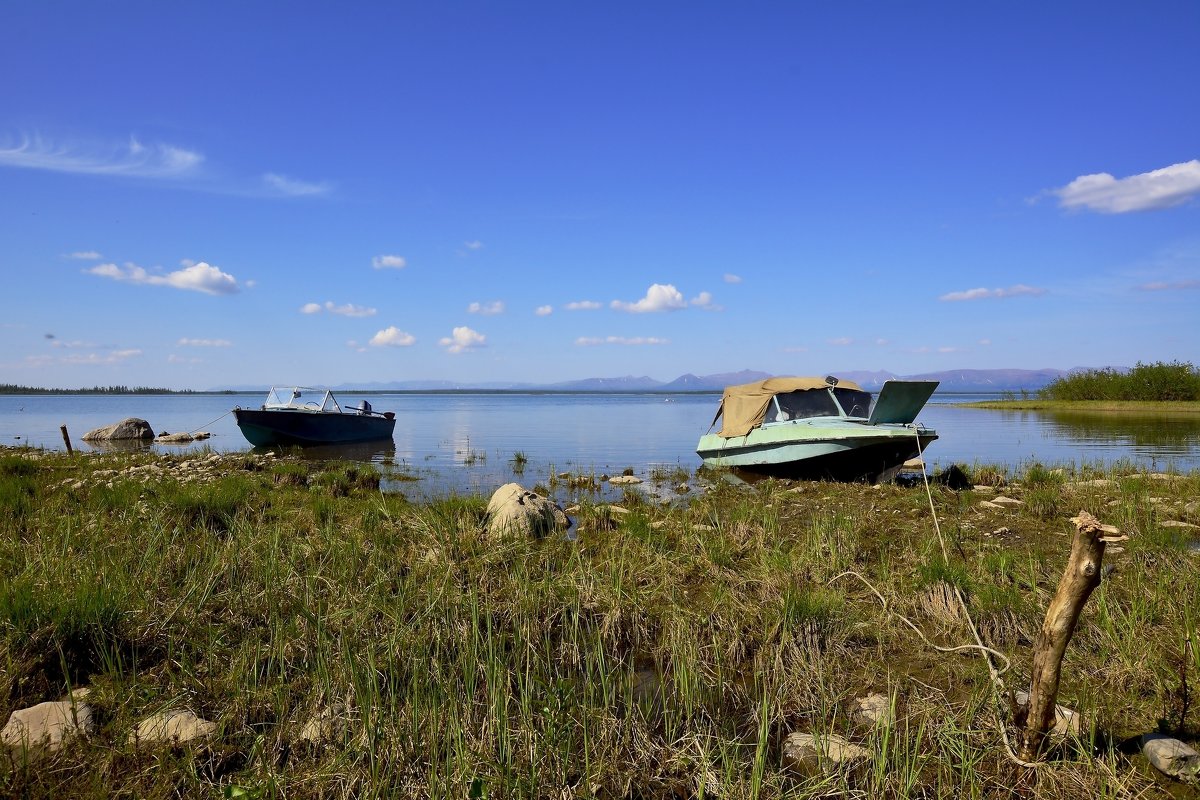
{"x":832,"y":381}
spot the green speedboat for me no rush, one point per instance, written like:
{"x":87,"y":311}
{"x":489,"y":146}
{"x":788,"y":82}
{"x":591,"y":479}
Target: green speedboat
{"x":818,"y":428}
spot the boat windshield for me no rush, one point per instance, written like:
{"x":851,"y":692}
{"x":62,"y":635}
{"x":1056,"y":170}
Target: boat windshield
{"x":301,"y":397}
{"x":796,"y":405}
{"x":854,"y":402}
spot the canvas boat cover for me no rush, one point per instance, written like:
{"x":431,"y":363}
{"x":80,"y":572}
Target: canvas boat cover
{"x":744,"y":406}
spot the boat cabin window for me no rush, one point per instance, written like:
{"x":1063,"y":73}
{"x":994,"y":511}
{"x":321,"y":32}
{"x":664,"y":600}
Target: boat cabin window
{"x":795,"y":405}
{"x":854,"y":402}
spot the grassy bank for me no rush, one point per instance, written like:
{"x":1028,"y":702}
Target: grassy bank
{"x":1173,"y":407}
{"x":665,"y":651}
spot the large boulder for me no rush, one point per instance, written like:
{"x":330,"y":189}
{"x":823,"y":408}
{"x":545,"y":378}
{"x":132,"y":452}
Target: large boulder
{"x":514,"y":511}
{"x":129,"y":428}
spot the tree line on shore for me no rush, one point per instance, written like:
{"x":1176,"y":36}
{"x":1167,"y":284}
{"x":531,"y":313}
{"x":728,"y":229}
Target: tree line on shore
{"x":1157,"y":382}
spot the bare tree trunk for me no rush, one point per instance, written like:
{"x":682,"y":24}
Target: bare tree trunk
{"x":1081,"y":577}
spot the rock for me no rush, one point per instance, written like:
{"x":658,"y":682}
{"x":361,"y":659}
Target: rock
{"x":47,"y":724}
{"x":174,"y":438}
{"x":1172,"y":523}
{"x":129,"y":428}
{"x":874,"y":709}
{"x":1066,"y":721}
{"x":323,"y":726}
{"x":1007,"y":501}
{"x":988,"y":504}
{"x":174,"y":727}
{"x":624,"y":480}
{"x":1172,"y":757}
{"x":913,"y":465}
{"x":513,"y":510}
{"x":804,"y":752}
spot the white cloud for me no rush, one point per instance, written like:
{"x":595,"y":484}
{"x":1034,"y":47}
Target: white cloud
{"x":347,"y":310}
{"x":582,"y":305}
{"x":389,"y":262}
{"x":204,"y":343}
{"x":841,"y":341}
{"x":473,"y":245}
{"x":985,"y":342}
{"x":86,"y":255}
{"x":462,"y":339}
{"x":544,"y":311}
{"x":194,"y":277}
{"x":134,"y":159}
{"x":392,"y":336}
{"x":659,"y":297}
{"x":73,"y":344}
{"x":704,"y":300}
{"x":1157,"y":189}
{"x":592,"y":341}
{"x":731,"y":278}
{"x":881,"y":342}
{"x":1020,"y":290}
{"x":486,"y":309}
{"x":291,"y":187}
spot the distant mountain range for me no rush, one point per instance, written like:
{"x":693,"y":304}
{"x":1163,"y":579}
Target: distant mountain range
{"x":958,"y":380}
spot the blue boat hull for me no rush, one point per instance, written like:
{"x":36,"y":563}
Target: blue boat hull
{"x":307,"y":428}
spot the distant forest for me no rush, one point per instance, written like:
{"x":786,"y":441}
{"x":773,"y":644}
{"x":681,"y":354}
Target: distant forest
{"x":12,"y":388}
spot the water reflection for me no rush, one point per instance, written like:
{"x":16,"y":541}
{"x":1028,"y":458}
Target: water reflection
{"x":1162,"y":434}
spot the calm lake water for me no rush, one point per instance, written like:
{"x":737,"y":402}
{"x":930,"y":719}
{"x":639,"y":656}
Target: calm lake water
{"x":465,"y":443}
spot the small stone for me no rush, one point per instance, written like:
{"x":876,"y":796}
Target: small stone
{"x":624,"y":480}
{"x":1007,"y":501}
{"x":1174,"y":523}
{"x":176,"y":727}
{"x":805,"y":752}
{"x":988,"y":504}
{"x":323,"y":726}
{"x":874,"y":709}
{"x":1066,"y":720}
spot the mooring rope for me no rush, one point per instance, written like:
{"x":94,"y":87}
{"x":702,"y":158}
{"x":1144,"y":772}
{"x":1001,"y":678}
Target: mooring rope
{"x":1001,"y":692}
{"x":218,"y":419}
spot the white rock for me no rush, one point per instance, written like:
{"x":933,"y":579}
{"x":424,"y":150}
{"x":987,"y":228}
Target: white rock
{"x":828,"y":753}
{"x":513,"y":510}
{"x":47,"y":724}
{"x":176,"y":727}
{"x":624,"y":480}
{"x":874,"y":709}
{"x":1172,"y":757}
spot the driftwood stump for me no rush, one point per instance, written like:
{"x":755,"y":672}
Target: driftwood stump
{"x":1081,"y":577}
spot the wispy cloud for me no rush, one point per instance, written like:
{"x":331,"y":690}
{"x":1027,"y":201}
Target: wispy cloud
{"x":582,"y":305}
{"x":347,"y":310}
{"x":134,"y":159}
{"x":1020,"y":290}
{"x":1157,"y":189}
{"x":85,"y":255}
{"x":841,"y":341}
{"x":204,"y":343}
{"x":85,"y":359}
{"x":389,"y":262}
{"x":462,"y":339}
{"x":473,"y":245}
{"x":1166,"y":286}
{"x":659,"y":297}
{"x":592,"y":341}
{"x":544,"y":311}
{"x":486,"y":309}
{"x":392,"y":336}
{"x":731,"y":278}
{"x":194,"y":277}
{"x":291,"y":187}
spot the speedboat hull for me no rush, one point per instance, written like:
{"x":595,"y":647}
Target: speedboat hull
{"x":274,"y":427}
{"x":872,"y":453}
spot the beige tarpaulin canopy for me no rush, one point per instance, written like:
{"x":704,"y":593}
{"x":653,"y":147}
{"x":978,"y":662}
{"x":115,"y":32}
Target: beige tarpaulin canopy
{"x":745,"y":405}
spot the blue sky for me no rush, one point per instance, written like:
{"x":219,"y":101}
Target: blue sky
{"x":254,"y":193}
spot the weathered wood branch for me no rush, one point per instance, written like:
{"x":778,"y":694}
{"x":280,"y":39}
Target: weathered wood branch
{"x":1080,"y":578}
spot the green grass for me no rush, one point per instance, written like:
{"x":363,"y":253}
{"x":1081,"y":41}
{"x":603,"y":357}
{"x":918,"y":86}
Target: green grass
{"x":666,"y":652}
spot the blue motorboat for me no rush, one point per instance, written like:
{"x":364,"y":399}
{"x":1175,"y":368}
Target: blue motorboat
{"x":299,"y":415}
